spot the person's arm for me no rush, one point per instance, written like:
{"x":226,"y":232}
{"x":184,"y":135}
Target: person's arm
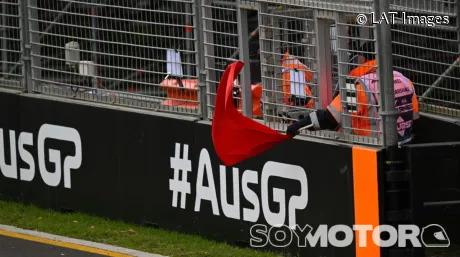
{"x":320,"y":119}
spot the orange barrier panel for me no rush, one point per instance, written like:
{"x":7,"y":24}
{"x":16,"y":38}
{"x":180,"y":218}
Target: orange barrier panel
{"x":186,"y":97}
{"x":366,"y":197}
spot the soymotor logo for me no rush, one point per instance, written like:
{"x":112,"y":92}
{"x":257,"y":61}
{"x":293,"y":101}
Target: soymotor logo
{"x":432,"y":235}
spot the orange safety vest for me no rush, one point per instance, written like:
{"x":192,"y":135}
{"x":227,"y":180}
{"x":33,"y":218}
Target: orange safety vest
{"x":288,"y":63}
{"x":360,"y":120}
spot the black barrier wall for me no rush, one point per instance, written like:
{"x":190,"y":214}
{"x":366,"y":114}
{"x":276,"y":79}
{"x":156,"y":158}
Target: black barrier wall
{"x":436,"y":129}
{"x":162,"y":171}
{"x":9,"y":108}
{"x":436,"y":189}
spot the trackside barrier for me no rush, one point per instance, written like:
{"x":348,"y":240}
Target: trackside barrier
{"x":164,"y":59}
{"x":217,"y":202}
{"x":435,"y":199}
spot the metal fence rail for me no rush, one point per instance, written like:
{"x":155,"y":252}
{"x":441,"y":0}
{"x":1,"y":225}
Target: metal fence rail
{"x":10,"y":44}
{"x":169,"y":55}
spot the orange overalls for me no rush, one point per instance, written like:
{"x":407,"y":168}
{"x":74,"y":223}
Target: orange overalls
{"x":289,"y":63}
{"x":361,"y":123}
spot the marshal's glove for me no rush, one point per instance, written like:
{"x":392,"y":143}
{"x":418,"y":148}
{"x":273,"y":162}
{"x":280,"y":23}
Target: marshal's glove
{"x":293,"y":129}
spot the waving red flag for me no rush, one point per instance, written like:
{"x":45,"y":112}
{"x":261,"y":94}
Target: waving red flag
{"x":235,"y":136}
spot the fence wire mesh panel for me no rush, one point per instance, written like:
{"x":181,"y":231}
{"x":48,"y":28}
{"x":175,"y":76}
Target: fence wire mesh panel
{"x":357,"y":101}
{"x":288,"y":59}
{"x":303,"y":56}
{"x":139,"y":53}
{"x":220,"y":28}
{"x":11,"y":72}
{"x":297,"y":79}
{"x":428,"y":53}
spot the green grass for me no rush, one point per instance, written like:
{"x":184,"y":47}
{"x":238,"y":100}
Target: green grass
{"x":105,"y":231}
{"x":86,"y":227}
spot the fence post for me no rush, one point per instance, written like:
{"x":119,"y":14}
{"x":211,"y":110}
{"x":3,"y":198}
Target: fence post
{"x":385,"y":75}
{"x":243,"y":42}
{"x":200,"y":59}
{"x":397,"y":204}
{"x":25,"y":47}
{"x":33,"y":72}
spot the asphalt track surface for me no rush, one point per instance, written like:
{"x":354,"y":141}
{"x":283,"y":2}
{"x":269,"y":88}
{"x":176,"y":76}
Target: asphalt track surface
{"x":15,"y":247}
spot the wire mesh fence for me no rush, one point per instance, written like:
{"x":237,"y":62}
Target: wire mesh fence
{"x":433,"y":46}
{"x":138,"y":53}
{"x":288,"y":59}
{"x":10,"y":44}
{"x":308,"y":58}
{"x":304,"y":55}
{"x":427,"y":51}
{"x":358,"y":100}
{"x":220,"y":28}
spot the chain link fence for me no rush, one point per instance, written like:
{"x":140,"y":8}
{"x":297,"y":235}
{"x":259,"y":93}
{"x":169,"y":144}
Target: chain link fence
{"x":11,"y":72}
{"x":169,"y":55}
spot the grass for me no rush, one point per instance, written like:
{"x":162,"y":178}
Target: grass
{"x":86,"y":227}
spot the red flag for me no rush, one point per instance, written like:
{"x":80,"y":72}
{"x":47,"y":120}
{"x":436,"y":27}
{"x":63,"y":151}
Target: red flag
{"x":235,"y":136}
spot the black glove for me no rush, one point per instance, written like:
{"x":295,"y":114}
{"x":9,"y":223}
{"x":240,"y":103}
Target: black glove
{"x":293,"y":129}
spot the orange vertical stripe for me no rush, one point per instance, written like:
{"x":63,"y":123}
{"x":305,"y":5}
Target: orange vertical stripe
{"x":365,"y":187}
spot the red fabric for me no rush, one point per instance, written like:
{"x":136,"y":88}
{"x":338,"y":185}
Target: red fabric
{"x":236,"y":137}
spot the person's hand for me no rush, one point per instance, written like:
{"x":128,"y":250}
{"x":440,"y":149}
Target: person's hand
{"x":293,"y":129}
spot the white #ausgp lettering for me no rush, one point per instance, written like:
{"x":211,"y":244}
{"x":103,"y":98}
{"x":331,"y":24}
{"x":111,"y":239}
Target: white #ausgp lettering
{"x":46,"y":131}
{"x":270,"y":170}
